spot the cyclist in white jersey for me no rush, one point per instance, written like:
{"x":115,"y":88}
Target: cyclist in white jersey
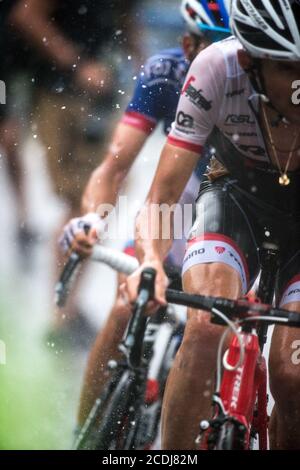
{"x":242,"y":95}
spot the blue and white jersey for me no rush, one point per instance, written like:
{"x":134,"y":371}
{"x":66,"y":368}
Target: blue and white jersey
{"x":157,"y":92}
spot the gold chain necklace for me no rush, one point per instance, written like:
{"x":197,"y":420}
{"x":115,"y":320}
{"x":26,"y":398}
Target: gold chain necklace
{"x":284,"y":180}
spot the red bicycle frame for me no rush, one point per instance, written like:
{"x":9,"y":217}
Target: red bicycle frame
{"x":243,"y":395}
{"x":244,"y":391}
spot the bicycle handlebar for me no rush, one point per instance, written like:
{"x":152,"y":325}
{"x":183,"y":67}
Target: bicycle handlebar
{"x":117,"y":260}
{"x":234,"y":309}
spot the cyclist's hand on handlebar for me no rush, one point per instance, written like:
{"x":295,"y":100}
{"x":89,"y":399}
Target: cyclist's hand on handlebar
{"x":81,"y":234}
{"x":130,"y":288}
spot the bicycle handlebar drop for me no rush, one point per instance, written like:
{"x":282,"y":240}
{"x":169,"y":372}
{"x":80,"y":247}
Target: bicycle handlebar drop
{"x":117,"y":260}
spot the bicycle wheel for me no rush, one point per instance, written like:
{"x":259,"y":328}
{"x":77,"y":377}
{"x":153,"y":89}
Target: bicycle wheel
{"x":116,"y":414}
{"x":86,"y":440}
{"x":147,"y":426}
{"x":231,"y":437}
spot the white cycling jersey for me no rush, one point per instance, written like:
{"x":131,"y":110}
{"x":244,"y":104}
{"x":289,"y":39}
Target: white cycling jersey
{"x":217,"y":92}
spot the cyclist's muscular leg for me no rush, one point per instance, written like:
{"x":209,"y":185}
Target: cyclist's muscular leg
{"x":285,"y":386}
{"x":104,"y":349}
{"x":190,"y":384}
{"x":221,"y":259}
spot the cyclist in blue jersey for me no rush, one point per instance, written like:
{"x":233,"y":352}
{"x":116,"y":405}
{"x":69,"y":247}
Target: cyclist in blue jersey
{"x":154,"y":101}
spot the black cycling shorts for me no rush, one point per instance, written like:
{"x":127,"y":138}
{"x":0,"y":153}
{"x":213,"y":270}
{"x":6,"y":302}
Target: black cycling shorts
{"x":231,"y":226}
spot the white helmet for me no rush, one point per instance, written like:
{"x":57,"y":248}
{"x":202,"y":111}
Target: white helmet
{"x":268,"y":29}
{"x":204,"y":16}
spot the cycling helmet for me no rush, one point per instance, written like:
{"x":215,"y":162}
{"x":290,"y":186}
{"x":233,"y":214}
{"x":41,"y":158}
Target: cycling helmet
{"x":268,"y":29}
{"x":207,"y":17}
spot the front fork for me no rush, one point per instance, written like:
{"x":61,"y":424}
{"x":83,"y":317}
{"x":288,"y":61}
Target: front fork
{"x":236,"y":401}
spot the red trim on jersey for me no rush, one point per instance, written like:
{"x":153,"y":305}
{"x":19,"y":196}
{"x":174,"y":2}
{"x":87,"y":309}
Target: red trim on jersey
{"x":222,"y":238}
{"x":139,"y":121}
{"x":185,"y":145}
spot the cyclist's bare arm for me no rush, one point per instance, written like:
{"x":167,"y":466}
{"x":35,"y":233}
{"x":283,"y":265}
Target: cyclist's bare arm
{"x":105,"y":182}
{"x":32,"y":19}
{"x":102,"y":190}
{"x":178,"y":159}
{"x":182,"y":150}
{"x":175,"y":168}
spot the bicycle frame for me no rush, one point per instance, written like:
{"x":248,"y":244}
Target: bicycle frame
{"x":243,"y":394}
{"x":241,"y":388}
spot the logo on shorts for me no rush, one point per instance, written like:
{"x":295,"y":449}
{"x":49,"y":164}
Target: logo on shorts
{"x":293,"y":291}
{"x":220,"y":249}
{"x":199,"y":251}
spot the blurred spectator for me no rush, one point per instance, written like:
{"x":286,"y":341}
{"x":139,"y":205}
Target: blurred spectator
{"x":70,"y":45}
{"x":15,"y":71}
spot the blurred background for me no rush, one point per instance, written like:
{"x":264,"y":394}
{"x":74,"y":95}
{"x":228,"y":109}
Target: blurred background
{"x":52,"y":109}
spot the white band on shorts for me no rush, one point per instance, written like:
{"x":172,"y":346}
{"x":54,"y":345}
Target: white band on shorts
{"x":291,"y":292}
{"x":215,"y":248}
